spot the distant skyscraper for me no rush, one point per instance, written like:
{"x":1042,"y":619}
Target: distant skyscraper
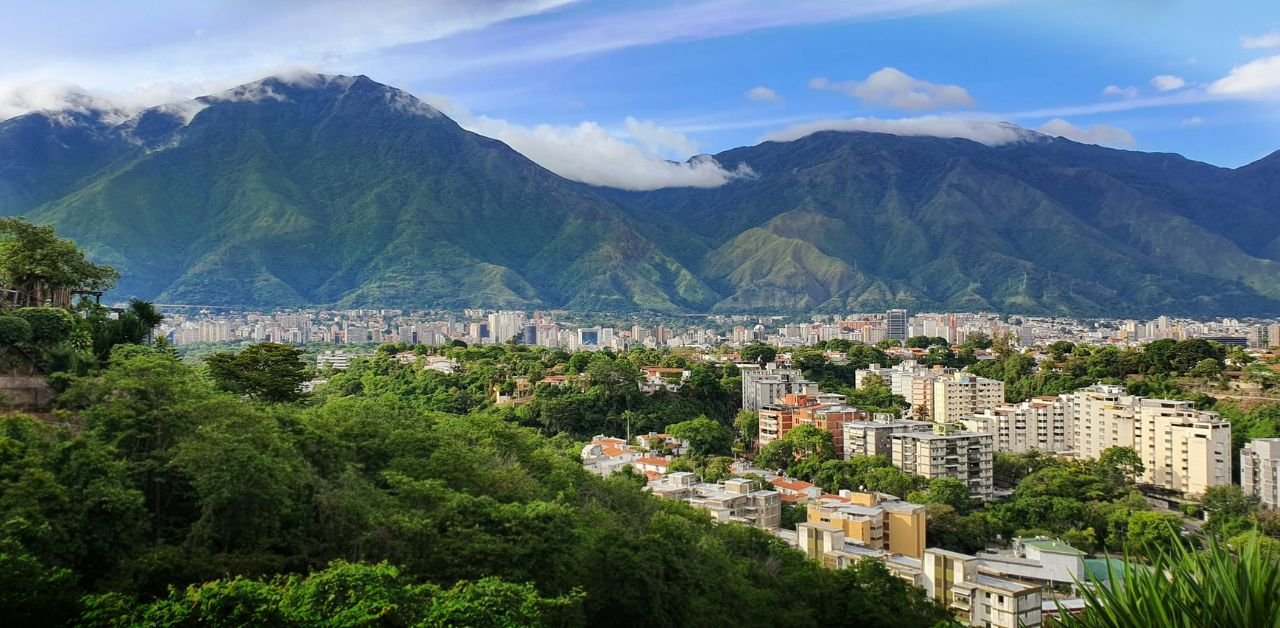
{"x":896,"y":325}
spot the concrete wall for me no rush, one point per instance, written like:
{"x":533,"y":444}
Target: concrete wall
{"x":25,"y":392}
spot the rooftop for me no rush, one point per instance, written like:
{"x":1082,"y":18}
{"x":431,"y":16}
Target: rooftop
{"x":1000,"y":584}
{"x":1053,"y":546}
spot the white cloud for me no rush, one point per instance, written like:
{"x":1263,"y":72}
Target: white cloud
{"x":589,"y":153}
{"x":1168,"y":82}
{"x":1128,"y":92}
{"x":982,"y":131}
{"x":1259,"y":77}
{"x":891,"y":87}
{"x":762,"y":94}
{"x":1270,"y":39}
{"x":164,"y":61}
{"x":657,"y":139}
{"x":656,"y":23}
{"x":1192,"y":121}
{"x":1103,"y":134}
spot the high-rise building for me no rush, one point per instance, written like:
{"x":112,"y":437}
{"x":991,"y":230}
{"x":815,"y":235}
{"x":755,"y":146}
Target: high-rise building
{"x":765,"y":386}
{"x":896,"y":325}
{"x":960,"y":396}
{"x":1042,"y":424}
{"x":1260,"y":470}
{"x":948,"y":453}
{"x":505,"y":326}
{"x":875,"y":438}
{"x":1182,"y":449}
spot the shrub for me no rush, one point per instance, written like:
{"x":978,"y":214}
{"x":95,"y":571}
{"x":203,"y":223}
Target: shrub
{"x":1224,"y":585}
{"x":49,"y":325}
{"x":14,"y":330}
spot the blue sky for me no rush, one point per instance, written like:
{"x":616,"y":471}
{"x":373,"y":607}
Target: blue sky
{"x":600,"y":91}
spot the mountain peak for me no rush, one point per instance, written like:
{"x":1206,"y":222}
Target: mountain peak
{"x":289,"y":86}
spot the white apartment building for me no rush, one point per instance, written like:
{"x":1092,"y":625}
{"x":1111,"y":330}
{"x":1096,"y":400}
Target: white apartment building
{"x":909,"y":379}
{"x":875,"y":438}
{"x":763,"y":387}
{"x":336,"y":360}
{"x":965,"y":456}
{"x":1182,"y":449}
{"x":505,"y":325}
{"x":1260,"y":470}
{"x":731,"y":500}
{"x":1042,"y":424}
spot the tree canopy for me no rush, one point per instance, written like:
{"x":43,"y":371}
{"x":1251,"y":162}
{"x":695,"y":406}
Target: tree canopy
{"x":34,"y":261}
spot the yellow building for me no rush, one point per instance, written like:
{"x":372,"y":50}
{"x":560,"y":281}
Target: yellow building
{"x":977,"y":595}
{"x":873,"y":521}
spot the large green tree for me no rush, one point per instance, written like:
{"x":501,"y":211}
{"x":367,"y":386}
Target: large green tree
{"x":266,"y":371}
{"x":35,"y":261}
{"x":704,"y":436}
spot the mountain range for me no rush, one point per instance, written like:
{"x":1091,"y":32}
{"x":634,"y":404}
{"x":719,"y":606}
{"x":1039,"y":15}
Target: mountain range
{"x":334,"y":190}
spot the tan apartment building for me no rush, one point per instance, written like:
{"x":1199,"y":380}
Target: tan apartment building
{"x":874,"y":521}
{"x":979,"y":596}
{"x":1182,"y":449}
{"x":959,"y":396}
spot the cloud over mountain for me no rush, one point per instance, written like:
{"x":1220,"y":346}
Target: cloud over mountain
{"x":895,"y":89}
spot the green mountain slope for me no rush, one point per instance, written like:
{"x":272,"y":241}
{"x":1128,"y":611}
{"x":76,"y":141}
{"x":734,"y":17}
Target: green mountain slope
{"x":341,"y":191}
{"x":951,"y":224}
{"x":344,"y":191}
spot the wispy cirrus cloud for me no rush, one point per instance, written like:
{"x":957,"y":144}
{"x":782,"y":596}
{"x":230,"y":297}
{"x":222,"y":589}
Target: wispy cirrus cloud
{"x":1128,"y":92}
{"x":592,"y":34}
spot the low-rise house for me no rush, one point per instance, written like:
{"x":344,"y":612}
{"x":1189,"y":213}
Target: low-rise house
{"x":651,"y":465}
{"x":654,"y":441}
{"x":605,"y":455}
{"x":657,"y":378}
{"x":795,"y":491}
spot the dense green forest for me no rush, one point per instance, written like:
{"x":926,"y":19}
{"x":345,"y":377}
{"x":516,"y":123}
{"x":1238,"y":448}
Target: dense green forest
{"x":162,"y":499}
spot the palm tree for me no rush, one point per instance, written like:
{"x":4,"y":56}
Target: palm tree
{"x":147,"y":318}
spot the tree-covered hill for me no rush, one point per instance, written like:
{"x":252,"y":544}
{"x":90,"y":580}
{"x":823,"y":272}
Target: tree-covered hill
{"x":338,"y":190}
{"x":172,"y":503}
